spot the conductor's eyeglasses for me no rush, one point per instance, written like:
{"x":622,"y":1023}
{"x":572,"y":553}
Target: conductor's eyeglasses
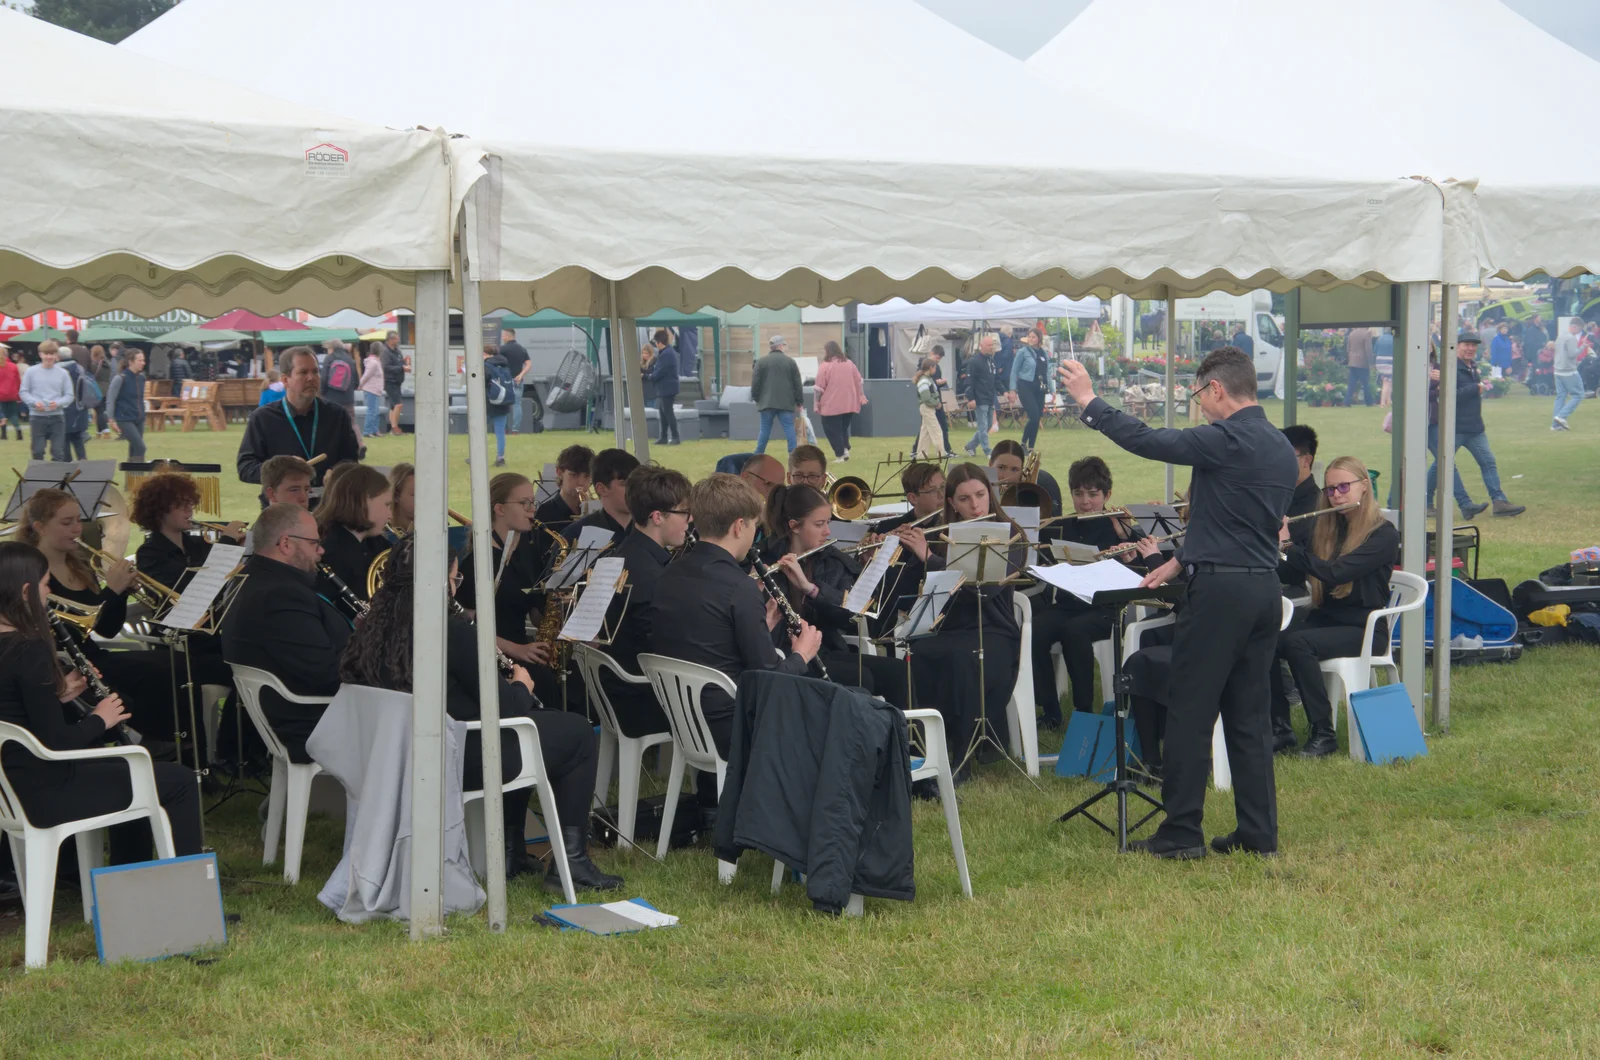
{"x":1339,"y":489}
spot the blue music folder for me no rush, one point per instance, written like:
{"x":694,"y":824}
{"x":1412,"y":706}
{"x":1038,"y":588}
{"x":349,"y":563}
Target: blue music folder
{"x":1090,"y":747}
{"x":1386,"y":724}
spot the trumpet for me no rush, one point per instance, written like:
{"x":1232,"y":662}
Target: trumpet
{"x":150,"y":592}
{"x":73,"y":613}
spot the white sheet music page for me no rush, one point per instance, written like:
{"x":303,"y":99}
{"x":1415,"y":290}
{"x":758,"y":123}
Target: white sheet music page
{"x":936,"y":589}
{"x":971,"y":541}
{"x":591,"y":539}
{"x":860,"y":594}
{"x":847,"y":532}
{"x":1090,"y":578}
{"x":203,"y":588}
{"x":589,"y":613}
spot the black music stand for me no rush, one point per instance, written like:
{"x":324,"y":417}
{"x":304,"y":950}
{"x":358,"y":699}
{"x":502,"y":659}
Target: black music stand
{"x":1122,"y":784}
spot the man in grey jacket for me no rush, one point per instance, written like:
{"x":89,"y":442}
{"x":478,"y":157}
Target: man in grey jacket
{"x":1569,"y":384}
{"x":777,"y":391}
{"x":47,"y":391}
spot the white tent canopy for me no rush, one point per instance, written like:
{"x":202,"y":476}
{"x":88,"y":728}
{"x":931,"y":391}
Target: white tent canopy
{"x":897,"y":310}
{"x":135,"y":185}
{"x":1404,"y":98}
{"x":747,"y":175}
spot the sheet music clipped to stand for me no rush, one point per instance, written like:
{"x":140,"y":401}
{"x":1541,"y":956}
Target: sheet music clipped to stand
{"x":937,"y":588}
{"x":860,"y":595}
{"x":589,"y":612}
{"x":203,"y":587}
{"x":582,"y":555}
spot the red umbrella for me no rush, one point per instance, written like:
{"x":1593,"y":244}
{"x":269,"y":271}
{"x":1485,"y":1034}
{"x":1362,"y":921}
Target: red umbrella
{"x":244,"y":320}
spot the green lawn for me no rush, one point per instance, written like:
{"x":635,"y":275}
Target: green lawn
{"x":1441,"y":907}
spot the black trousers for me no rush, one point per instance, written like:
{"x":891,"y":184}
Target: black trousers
{"x":1222,"y":650}
{"x":944,"y":425}
{"x":1032,"y":399}
{"x":1076,"y":630}
{"x":880,"y":675}
{"x":669,"y":419}
{"x":944,"y":675}
{"x":638,"y":710}
{"x":571,"y":752}
{"x":144,"y":681}
{"x":1308,"y":640}
{"x":104,"y":787}
{"x":837,"y":428}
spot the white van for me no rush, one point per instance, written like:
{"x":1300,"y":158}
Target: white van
{"x":1253,"y":310}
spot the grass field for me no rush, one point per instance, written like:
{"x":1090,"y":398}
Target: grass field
{"x":1445,"y":907}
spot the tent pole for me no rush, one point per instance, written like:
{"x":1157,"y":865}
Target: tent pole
{"x":1413,"y":488}
{"x":613,"y":344}
{"x":432,"y":374}
{"x":1172,"y":355}
{"x":1291,"y":357}
{"x":1444,"y":525}
{"x":1130,"y":311}
{"x":494,"y":823}
{"x":1397,"y":399}
{"x":625,"y":368}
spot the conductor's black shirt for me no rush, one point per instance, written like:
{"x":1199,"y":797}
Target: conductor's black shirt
{"x":1244,"y":475}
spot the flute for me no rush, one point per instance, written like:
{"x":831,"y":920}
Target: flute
{"x":775,"y":593}
{"x":1132,"y":546}
{"x":1283,"y":557}
{"x":119,"y":732}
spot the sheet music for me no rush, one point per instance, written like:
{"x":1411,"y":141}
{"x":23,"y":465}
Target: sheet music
{"x":548,"y":485}
{"x":1074,"y":551}
{"x":1028,"y":519}
{"x":589,"y":613}
{"x":991,"y":559}
{"x":579,"y":558}
{"x":937,"y":588}
{"x":1090,"y":578}
{"x":860,"y":594}
{"x":203,"y":588}
{"x":847,"y":532}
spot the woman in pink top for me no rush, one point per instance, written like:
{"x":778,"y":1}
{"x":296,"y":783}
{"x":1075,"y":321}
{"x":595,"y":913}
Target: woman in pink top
{"x":372,"y":386}
{"x":839,"y":397}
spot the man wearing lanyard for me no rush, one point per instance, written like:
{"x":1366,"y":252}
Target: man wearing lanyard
{"x":1227,"y":630}
{"x":303,"y":424}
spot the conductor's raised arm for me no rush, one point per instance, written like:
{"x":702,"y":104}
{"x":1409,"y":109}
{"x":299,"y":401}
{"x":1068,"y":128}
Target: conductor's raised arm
{"x":1192,"y":446}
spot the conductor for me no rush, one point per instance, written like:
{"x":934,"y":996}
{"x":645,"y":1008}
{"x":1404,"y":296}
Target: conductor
{"x":1223,"y":643}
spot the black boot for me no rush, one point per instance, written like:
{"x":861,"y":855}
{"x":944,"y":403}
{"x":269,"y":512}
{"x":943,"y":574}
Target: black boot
{"x":1282,"y":737}
{"x":586,"y":875}
{"x":518,"y":863}
{"x":1321,"y":743}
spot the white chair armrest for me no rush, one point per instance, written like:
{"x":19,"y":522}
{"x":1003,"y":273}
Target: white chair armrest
{"x":41,"y":751}
{"x":526,"y":731}
{"x":924,"y":714}
{"x":292,"y":698}
{"x":606,"y":662}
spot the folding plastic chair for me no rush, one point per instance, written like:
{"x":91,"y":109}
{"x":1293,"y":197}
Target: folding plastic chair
{"x":291,"y":781}
{"x":616,"y":747}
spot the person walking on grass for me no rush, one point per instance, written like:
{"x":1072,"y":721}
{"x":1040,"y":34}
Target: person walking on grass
{"x":983,"y":388}
{"x":10,"y":392}
{"x":47,"y":391}
{"x":929,"y":443}
{"x":777,"y":391}
{"x":1470,"y":434}
{"x":840,"y":395}
{"x":1358,"y":352}
{"x":1569,"y":383}
{"x":125,"y":402}
{"x":372,"y":390}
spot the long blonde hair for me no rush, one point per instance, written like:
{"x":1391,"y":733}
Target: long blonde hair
{"x":42,"y":507}
{"x":1326,"y":540}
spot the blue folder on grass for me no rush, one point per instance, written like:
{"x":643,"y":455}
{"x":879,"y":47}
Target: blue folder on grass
{"x":1387,"y":725}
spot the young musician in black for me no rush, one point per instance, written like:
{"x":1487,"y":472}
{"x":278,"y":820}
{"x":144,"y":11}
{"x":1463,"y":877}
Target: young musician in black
{"x":379,"y":655}
{"x":1008,"y":457}
{"x":279,"y":623}
{"x":658,"y":498}
{"x":351,"y":518}
{"x":1347,"y":564}
{"x":799,"y":517}
{"x":707,"y":610}
{"x":944,"y":667}
{"x":51,"y":522}
{"x":923,"y":484}
{"x":34,"y":694}
{"x":511,"y":500}
{"x":1223,"y":643}
{"x":572,"y":480}
{"x":609,"y":474}
{"x":164,"y":509}
{"x":1060,"y":617}
{"x":1307,"y":494}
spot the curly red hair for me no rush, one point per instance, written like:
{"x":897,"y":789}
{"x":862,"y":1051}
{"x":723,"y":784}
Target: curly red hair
{"x":158,"y":495}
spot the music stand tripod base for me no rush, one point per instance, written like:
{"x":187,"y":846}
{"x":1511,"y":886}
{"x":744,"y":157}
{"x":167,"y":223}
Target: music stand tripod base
{"x":1122,"y":783}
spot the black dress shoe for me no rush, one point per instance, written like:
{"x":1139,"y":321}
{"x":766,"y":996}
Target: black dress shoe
{"x":1166,"y":851}
{"x":1283,"y":740}
{"x":1232,"y":844}
{"x":1320,"y":745}
{"x":1048,"y":720}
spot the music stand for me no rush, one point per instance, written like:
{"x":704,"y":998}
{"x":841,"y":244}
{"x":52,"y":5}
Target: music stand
{"x":986,"y":561}
{"x":924,"y":617}
{"x":1122,"y":784}
{"x":86,"y":480}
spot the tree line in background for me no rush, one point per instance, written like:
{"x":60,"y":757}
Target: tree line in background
{"x":107,"y":20}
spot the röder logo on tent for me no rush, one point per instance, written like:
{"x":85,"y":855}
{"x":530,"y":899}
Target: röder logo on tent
{"x":327,"y":159}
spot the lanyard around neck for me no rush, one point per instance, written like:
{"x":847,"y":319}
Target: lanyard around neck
{"x":316,"y":419}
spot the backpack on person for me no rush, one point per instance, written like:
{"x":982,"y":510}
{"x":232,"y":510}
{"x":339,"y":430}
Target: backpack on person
{"x":341,"y":375}
{"x":497,"y":382}
{"x":88,"y":393}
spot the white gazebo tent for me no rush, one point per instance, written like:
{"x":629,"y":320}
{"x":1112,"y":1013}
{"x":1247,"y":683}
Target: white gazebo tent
{"x":134,"y":184}
{"x":1507,"y":213}
{"x":747,"y":177}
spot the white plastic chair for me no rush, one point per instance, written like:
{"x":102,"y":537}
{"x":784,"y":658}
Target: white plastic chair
{"x":678,"y":685}
{"x":1024,"y":722}
{"x":532,"y":774}
{"x":1341,"y":677}
{"x":291,"y":781}
{"x":1221,"y":773}
{"x":34,"y":849}
{"x":627,"y":752}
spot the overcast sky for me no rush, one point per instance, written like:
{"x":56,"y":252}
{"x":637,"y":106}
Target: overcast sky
{"x":1021,"y":27}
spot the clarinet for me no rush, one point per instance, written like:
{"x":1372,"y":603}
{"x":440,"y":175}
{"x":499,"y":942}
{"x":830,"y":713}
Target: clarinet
{"x":120,"y":732}
{"x":358,"y":607}
{"x":791,"y":617}
{"x":501,"y":659}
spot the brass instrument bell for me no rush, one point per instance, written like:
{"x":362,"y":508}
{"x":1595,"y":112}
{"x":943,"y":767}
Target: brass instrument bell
{"x":850,"y":497}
